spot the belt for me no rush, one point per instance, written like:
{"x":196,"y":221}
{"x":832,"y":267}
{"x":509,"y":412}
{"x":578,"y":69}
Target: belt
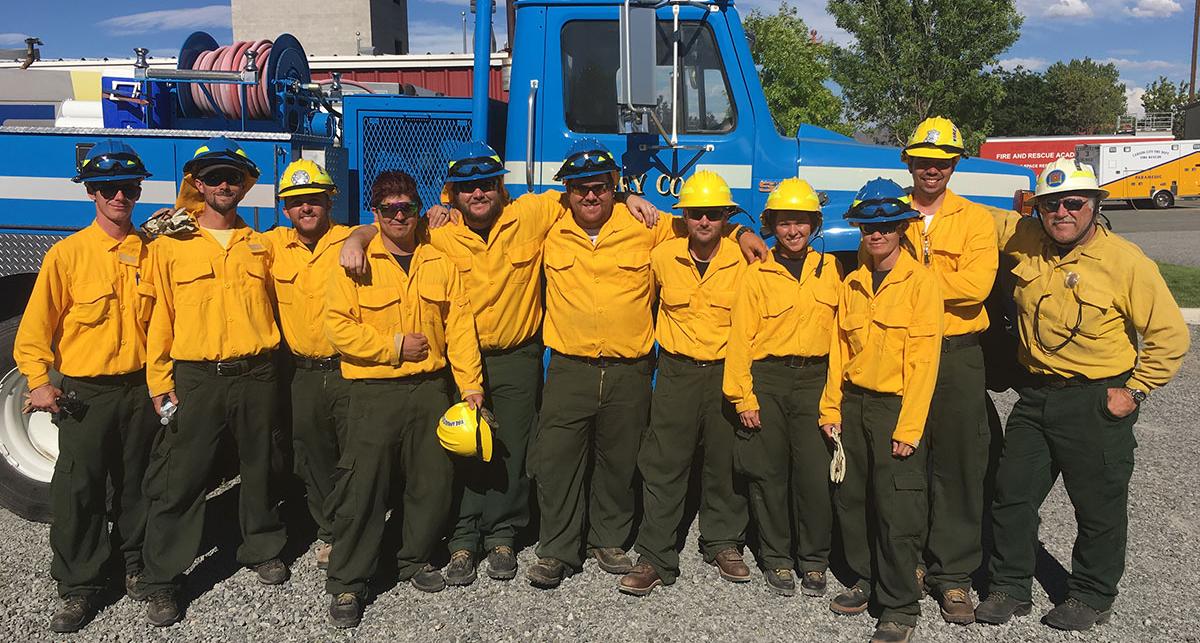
{"x":416,"y":378}
{"x":955,"y":342}
{"x":798,"y":361}
{"x":230,"y":367}
{"x":505,"y":351}
{"x":702,"y":363}
{"x":331,"y":363}
{"x":1058,"y":381}
{"x":604,"y":362}
{"x":135,"y":377}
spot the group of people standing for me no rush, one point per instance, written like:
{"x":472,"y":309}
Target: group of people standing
{"x":807,"y":397}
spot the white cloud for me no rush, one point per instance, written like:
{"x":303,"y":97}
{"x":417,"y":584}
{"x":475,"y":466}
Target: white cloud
{"x":1067,"y":9}
{"x":426,"y":37}
{"x":1153,"y":8}
{"x":12,"y":39}
{"x":812,"y":11}
{"x":211,"y":16}
{"x":1141,"y":65}
{"x":1032,"y":64}
{"x":1133,"y":99}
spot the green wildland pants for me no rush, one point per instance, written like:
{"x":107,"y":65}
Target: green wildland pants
{"x":688,"y":412}
{"x":494,"y":501}
{"x":320,"y":412}
{"x":787,"y":464}
{"x":242,"y":401}
{"x":593,"y":416}
{"x":107,"y":441}
{"x":1056,"y":428}
{"x":882,"y":505}
{"x":957,"y":440}
{"x":392,"y":438}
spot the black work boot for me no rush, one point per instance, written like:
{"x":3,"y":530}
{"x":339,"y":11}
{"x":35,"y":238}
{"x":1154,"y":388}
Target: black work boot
{"x":272,"y":572}
{"x":429,"y":579}
{"x":850,"y":602}
{"x":813,"y":583}
{"x":613,"y":560}
{"x":891,"y":632}
{"x":345,"y":610}
{"x":546,"y":573}
{"x":461,"y":570}
{"x":999,"y":608}
{"x":502,"y":563}
{"x":161,"y":608}
{"x":780,"y":581}
{"x":75,"y":612}
{"x":1076,"y":616}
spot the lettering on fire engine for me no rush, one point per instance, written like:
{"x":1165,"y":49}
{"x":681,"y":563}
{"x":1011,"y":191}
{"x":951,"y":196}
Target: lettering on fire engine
{"x":665,"y":185}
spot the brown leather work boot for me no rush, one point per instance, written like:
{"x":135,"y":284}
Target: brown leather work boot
{"x":957,"y":606}
{"x":641,"y":581}
{"x":613,"y":560}
{"x":323,"y":551}
{"x":733,"y":568}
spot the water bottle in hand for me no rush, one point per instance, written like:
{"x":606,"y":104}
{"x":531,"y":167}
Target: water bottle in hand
{"x":167,"y":411}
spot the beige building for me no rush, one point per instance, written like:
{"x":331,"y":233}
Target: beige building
{"x":327,"y":27}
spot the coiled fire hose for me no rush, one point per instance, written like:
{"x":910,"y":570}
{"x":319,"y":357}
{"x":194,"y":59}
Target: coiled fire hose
{"x":228,"y":97}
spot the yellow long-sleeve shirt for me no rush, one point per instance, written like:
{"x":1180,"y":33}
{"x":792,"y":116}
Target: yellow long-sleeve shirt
{"x":695,"y":310}
{"x":960,"y":248}
{"x":301,"y":279}
{"x":213,"y":303}
{"x":89,"y":309}
{"x":888,"y":341}
{"x":366,"y":320}
{"x":502,"y":276}
{"x":1115,"y":289}
{"x":776,"y":316}
{"x":598,"y":295}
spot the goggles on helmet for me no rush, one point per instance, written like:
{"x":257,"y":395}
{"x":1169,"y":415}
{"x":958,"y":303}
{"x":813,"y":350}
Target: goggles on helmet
{"x":468,"y":168}
{"x":872,"y":208}
{"x":112,"y":165}
{"x":589,"y":160}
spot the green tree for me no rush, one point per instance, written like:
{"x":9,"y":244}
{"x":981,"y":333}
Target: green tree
{"x":1023,"y":111}
{"x":1164,"y":96}
{"x":917,"y":58}
{"x":1084,"y":96}
{"x":794,"y":67}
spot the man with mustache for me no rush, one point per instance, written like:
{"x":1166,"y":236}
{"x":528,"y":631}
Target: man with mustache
{"x":87,"y":318}
{"x":210,"y":345}
{"x":955,"y":239}
{"x":1083,"y":295}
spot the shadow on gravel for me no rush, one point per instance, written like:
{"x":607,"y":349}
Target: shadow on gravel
{"x":1051,"y":575}
{"x":222,"y":533}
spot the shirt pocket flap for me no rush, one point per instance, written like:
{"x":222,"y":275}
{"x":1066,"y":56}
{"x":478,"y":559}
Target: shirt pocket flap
{"x":675,"y":297}
{"x":894,"y":316}
{"x":378,"y":297}
{"x":284,"y":273}
{"x":1093,"y":296}
{"x":852,"y":321}
{"x":522,"y":253}
{"x":91,"y":291}
{"x":189,"y":271}
{"x":463,"y":263}
{"x":722,"y":299}
{"x":776,"y":306}
{"x":559,"y":261}
{"x":922,"y":330}
{"x":1026,"y":272}
{"x":432,"y":290}
{"x":146,"y":289}
{"x":634,"y":260}
{"x":909,"y":481}
{"x":826,"y":295}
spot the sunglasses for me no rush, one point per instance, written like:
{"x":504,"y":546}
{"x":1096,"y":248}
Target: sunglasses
{"x":1073,"y":204}
{"x":583,"y":189}
{"x":941,"y":164}
{"x":712,"y":214}
{"x":483,"y":185}
{"x":390,"y":210}
{"x":869,"y":229}
{"x":217,"y":177}
{"x":132,"y":191}
{"x":474,"y":166}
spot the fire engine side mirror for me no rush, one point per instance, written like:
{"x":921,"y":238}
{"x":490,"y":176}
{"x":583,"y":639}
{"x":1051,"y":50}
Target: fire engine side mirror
{"x":1023,"y":202}
{"x":638,"y":26}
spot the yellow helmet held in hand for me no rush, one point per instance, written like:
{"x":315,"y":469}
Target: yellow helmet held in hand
{"x":705,"y":189}
{"x":467,"y":432}
{"x":305,"y":177}
{"x":1068,"y":175}
{"x":935,"y":138}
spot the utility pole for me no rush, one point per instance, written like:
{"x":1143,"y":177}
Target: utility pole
{"x":1195,"y":33}
{"x":464,"y":49}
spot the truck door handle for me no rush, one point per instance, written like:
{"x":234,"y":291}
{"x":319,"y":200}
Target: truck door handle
{"x":529,"y":122}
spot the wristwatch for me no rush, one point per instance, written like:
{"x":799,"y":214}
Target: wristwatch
{"x":740,"y":231}
{"x":1137,"y":395}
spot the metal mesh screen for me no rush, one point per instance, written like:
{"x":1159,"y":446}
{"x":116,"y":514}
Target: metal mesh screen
{"x":420,"y":146}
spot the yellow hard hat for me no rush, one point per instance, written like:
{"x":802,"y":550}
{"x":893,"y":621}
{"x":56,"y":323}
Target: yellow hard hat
{"x":467,"y":432}
{"x":705,"y":189}
{"x":1068,"y":175}
{"x":935,"y":138}
{"x":794,"y":194}
{"x":305,"y":177}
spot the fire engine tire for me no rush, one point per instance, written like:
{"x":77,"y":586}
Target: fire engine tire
{"x":28,"y":460}
{"x":1163,"y":199}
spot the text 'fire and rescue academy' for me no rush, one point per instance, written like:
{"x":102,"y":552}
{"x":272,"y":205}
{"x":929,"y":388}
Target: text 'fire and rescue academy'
{"x":786,"y":375}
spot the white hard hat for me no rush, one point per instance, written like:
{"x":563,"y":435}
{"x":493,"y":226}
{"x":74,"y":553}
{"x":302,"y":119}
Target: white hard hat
{"x":1068,"y":175}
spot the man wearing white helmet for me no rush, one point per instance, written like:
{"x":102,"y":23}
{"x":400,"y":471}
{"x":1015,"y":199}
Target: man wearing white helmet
{"x":1079,"y":290}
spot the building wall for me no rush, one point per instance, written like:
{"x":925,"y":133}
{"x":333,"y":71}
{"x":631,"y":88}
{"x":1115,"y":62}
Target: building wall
{"x":326,"y":28}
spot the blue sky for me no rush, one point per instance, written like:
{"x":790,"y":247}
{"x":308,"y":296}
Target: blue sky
{"x":1144,"y":38}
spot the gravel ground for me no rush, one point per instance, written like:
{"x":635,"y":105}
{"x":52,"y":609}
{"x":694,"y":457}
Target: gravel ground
{"x":227,"y":603}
